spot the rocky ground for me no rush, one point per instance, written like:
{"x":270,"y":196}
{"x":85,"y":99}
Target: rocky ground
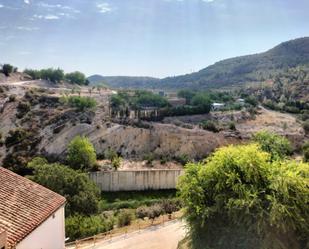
{"x":48,"y":126}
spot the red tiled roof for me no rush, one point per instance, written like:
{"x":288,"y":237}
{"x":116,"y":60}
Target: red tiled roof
{"x":24,"y":205}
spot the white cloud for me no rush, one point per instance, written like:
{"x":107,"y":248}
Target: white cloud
{"x":27,"y":1}
{"x":27,"y":28}
{"x":46,"y":17}
{"x":1,"y":5}
{"x":208,"y":1}
{"x":104,"y":7}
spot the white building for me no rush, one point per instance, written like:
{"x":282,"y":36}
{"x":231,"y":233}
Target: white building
{"x":31,"y":216}
{"x":217,"y":106}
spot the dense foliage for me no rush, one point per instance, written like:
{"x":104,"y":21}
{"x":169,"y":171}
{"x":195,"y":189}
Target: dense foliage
{"x":81,"y":154}
{"x":76,"y":78}
{"x":78,"y":227}
{"x":79,"y":102}
{"x":239,"y":199}
{"x":81,"y":193}
{"x":57,"y":75}
{"x":277,"y":146}
{"x":7,"y":69}
{"x":51,"y":74}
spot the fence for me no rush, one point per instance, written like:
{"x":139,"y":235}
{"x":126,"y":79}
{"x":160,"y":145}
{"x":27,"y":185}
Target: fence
{"x":136,"y":180}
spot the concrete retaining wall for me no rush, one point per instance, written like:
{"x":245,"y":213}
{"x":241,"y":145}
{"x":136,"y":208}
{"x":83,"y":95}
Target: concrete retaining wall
{"x":136,"y":180}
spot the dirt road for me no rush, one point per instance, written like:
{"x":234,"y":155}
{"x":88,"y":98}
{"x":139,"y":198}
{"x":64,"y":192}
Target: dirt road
{"x":164,"y":236}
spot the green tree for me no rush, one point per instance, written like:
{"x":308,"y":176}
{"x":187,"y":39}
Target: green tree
{"x":239,"y":199}
{"x":279,"y":147}
{"x":81,"y":193}
{"x":81,"y":154}
{"x":7,"y":69}
{"x":76,"y":78}
{"x":202,"y":100}
{"x":186,"y":94}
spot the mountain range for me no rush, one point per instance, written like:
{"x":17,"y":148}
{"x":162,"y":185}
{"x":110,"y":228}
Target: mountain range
{"x":236,"y":71}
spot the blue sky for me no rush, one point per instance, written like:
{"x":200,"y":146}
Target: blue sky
{"x":143,"y":37}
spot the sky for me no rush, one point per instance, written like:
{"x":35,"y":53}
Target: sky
{"x":156,"y":38}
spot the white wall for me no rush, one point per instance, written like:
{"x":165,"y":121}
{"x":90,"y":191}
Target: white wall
{"x":136,"y":179}
{"x":49,"y":235}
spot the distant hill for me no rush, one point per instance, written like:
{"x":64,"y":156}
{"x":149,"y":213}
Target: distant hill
{"x":227,"y":73}
{"x":123,"y":81}
{"x":245,"y":69}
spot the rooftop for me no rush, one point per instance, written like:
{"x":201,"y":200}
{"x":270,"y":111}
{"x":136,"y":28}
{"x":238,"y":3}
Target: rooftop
{"x":24,"y":205}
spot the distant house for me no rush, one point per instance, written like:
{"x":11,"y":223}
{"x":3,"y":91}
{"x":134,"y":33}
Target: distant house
{"x":31,"y":216}
{"x":240,"y":101}
{"x":217,"y":106}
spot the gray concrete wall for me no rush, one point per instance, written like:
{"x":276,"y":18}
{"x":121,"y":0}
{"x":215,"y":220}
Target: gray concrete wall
{"x":136,"y":180}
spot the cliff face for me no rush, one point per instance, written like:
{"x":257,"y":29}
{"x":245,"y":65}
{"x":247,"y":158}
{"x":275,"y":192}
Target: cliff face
{"x":44,"y":126}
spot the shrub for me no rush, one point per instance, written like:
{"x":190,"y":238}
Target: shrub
{"x":78,"y":227}
{"x":306,"y":126}
{"x":209,"y":125}
{"x":155,"y":211}
{"x":12,"y":97}
{"x":79,"y":102}
{"x":169,"y":206}
{"x":239,"y":199}
{"x":232,"y":126}
{"x":142,"y":212}
{"x":116,"y":162}
{"x":150,"y":157}
{"x":277,"y":146}
{"x":182,"y":159}
{"x":306,"y":152}
{"x":252,"y":101}
{"x":23,"y":108}
{"x":81,"y":193}
{"x":16,"y":136}
{"x":81,"y":154}
{"x":124,"y":218}
{"x":7,"y":69}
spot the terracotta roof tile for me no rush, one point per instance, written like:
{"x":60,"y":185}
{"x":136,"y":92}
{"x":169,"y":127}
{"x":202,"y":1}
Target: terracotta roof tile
{"x":24,"y":205}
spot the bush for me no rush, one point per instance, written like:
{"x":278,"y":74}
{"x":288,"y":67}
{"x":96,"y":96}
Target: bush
{"x":116,"y":162}
{"x":16,"y":136}
{"x":306,"y":126}
{"x":232,"y":126}
{"x":124,"y":218}
{"x":12,"y":97}
{"x":170,"y":206}
{"x":142,"y":212}
{"x":306,"y":152}
{"x":209,"y":125}
{"x":23,"y":108}
{"x":81,"y":193}
{"x":182,"y":159}
{"x":277,"y":146}
{"x":81,"y":154}
{"x":79,"y":227}
{"x":79,"y":102}
{"x":155,"y":211}
{"x":239,"y":199}
{"x":7,"y":69}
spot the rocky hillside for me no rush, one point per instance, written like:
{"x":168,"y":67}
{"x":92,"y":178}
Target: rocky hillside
{"x":35,"y":122}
